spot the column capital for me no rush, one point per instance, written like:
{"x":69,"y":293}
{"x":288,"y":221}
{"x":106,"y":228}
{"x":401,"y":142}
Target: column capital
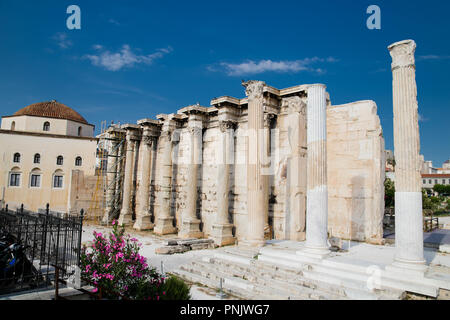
{"x":225,"y":125}
{"x":402,"y":54}
{"x":254,"y":89}
{"x":268,"y":118}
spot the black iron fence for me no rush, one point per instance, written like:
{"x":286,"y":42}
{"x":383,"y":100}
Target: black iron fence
{"x":37,"y":249}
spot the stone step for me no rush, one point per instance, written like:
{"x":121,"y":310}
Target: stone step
{"x":296,"y":280}
{"x":263,"y":285}
{"x":236,"y":287}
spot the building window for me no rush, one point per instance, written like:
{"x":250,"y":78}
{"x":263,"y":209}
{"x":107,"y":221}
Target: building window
{"x":424,"y":181}
{"x":14,"y":180}
{"x":13,"y":126}
{"x":436,"y":181}
{"x":79,"y":131}
{"x":37,"y":158}
{"x":16,"y":158}
{"x":35,"y":180}
{"x":78,"y":161}
{"x":46,"y":126}
{"x":60,"y":160}
{"x":57,"y":181}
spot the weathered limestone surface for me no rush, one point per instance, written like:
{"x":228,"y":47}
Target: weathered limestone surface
{"x":408,"y":184}
{"x":212,"y":199}
{"x":126,"y":213}
{"x":355,"y":157}
{"x":256,"y":183}
{"x":317,"y":192}
{"x":164,"y":216}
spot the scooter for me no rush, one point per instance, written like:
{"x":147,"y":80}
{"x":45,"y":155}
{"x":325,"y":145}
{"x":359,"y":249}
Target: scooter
{"x":15,"y":266}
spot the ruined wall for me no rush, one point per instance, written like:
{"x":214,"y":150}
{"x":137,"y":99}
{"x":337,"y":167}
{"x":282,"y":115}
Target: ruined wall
{"x":355,"y":153}
{"x":81,"y":195}
{"x":355,"y":156}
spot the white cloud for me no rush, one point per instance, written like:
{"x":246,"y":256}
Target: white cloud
{"x":255,"y":67}
{"x":433,"y":57}
{"x":125,"y":57}
{"x":62,"y":41}
{"x":422,"y":118}
{"x":115,"y":22}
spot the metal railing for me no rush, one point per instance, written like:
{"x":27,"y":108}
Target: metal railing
{"x":45,"y":242}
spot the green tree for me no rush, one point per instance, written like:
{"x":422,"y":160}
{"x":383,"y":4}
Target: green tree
{"x":389,"y":193}
{"x":441,"y":189}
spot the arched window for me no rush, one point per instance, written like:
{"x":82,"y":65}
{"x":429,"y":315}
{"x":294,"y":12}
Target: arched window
{"x":60,"y":160}
{"x":37,"y":158}
{"x":79,"y":131}
{"x":35,"y":178}
{"x":58,"y":179}
{"x":16,"y":158}
{"x":13,"y":126}
{"x":46,"y":126}
{"x":78,"y":161}
{"x":14,"y":177}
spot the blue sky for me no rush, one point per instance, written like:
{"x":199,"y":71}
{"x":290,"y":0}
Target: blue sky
{"x":136,"y":59}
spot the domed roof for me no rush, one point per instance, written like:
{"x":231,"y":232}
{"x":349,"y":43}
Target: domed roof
{"x":51,"y":109}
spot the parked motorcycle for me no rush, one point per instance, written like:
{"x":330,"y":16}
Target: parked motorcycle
{"x":15,"y":268}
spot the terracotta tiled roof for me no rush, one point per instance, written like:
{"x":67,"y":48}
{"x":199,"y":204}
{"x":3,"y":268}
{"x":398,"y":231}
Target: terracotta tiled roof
{"x":437,"y":175}
{"x":51,"y":109}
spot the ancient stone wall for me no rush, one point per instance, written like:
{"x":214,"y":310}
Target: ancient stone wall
{"x":215,"y":204}
{"x":355,"y":149}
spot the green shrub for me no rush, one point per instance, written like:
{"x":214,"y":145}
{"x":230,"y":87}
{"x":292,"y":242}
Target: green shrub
{"x":175,"y":289}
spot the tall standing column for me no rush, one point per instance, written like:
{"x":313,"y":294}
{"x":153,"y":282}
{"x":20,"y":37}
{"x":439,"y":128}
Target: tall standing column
{"x":146,"y":148}
{"x":190,"y":224}
{"x":408,"y":184}
{"x":164,"y":220}
{"x":126,"y":214}
{"x":111,"y":173}
{"x":222,"y":229}
{"x":317,"y":191}
{"x":256,"y":184}
{"x":268,"y":118}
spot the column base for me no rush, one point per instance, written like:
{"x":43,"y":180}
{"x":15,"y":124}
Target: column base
{"x":252,"y":243}
{"x":190,"y":229}
{"x":405,"y":267}
{"x":143,"y":223}
{"x":125,"y":219}
{"x":314,"y":252}
{"x":164,"y":226}
{"x":222,"y":234}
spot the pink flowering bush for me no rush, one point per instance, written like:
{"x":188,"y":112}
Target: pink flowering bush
{"x":113,"y":263}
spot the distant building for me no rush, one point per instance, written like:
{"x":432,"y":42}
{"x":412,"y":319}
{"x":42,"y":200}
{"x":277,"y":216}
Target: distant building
{"x":430,"y":180}
{"x":41,"y":146}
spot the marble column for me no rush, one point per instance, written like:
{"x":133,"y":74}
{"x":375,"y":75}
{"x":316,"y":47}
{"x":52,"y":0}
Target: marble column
{"x":268,"y":118}
{"x":146,"y":150}
{"x":190,"y":224}
{"x":317,"y":191}
{"x":222,"y":229}
{"x":164,"y":219}
{"x":256,"y":184}
{"x":111,"y":173}
{"x":126,"y":213}
{"x":408,"y":183}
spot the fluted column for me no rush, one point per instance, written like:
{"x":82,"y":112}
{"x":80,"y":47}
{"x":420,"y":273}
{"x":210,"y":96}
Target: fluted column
{"x":111,"y":173}
{"x":222,"y":229}
{"x":317,"y":191}
{"x":408,"y":184}
{"x":255,"y":181}
{"x":146,"y":148}
{"x":268,"y":118}
{"x":190,"y":224}
{"x":126,"y":214}
{"x":164,"y":219}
